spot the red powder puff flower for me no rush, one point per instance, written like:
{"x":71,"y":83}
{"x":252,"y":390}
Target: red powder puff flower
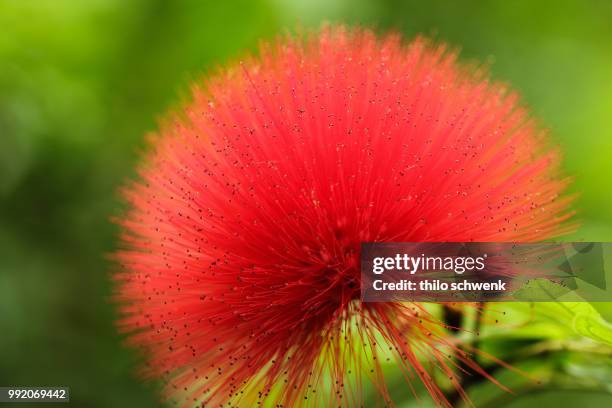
{"x":241,"y":250}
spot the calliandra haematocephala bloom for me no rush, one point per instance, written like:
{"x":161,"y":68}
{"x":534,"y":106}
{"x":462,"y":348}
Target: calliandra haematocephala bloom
{"x":240,"y":271}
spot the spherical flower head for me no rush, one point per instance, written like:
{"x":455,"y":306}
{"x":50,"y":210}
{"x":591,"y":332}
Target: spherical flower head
{"x":240,"y":263}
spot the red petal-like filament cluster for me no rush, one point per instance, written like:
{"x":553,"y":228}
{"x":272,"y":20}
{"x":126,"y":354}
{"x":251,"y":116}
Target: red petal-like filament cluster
{"x":240,"y":252}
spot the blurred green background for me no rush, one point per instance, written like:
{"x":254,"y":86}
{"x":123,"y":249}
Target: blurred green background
{"x":81,"y":83}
